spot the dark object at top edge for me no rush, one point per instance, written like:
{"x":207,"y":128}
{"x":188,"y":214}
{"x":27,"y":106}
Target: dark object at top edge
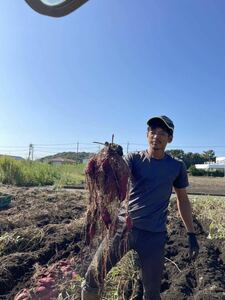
{"x":59,"y":10}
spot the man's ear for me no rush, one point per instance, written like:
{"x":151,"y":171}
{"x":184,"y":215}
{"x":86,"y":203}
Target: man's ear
{"x":170,"y":138}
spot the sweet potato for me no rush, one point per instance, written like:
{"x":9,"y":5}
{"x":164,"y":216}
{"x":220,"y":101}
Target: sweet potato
{"x":22,"y":295}
{"x":40,"y":289}
{"x":46,"y":281}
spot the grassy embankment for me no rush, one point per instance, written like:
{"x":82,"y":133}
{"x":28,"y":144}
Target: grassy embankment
{"x":28,"y":173}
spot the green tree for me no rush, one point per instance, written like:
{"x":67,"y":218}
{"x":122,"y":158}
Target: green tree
{"x":209,"y":155}
{"x":176,"y":153}
{"x":189,"y":158}
{"x":195,"y":158}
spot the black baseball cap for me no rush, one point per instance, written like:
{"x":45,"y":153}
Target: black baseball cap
{"x":164,"y":120}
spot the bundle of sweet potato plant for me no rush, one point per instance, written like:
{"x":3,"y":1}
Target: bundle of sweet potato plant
{"x":107,"y":177}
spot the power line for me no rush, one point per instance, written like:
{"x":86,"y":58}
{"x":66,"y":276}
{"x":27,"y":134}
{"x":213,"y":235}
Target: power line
{"x":122,"y":143}
{"x":14,"y":147}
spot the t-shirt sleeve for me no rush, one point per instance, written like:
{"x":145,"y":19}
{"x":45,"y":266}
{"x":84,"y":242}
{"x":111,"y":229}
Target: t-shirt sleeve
{"x":181,"y":180}
{"x":129,"y":160}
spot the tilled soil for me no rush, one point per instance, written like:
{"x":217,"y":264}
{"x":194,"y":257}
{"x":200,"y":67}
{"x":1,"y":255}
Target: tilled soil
{"x":43,"y":225}
{"x":201,"y":279}
{"x":40,"y":226}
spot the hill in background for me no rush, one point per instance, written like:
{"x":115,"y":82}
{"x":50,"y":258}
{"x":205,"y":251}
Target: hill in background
{"x":78,"y":157}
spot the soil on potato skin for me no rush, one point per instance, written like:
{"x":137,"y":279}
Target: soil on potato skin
{"x":50,"y":218}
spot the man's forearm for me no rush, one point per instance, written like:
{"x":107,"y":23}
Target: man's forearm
{"x":185,"y":211}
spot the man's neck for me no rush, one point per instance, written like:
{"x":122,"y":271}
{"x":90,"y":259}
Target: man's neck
{"x":157,"y":154}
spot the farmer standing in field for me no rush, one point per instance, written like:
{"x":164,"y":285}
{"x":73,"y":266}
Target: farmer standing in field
{"x":153,"y":175}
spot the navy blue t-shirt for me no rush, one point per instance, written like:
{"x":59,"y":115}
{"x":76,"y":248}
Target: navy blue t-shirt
{"x":151,"y":186}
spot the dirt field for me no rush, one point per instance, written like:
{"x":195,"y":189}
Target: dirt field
{"x":43,"y":225}
{"x":207,"y":185}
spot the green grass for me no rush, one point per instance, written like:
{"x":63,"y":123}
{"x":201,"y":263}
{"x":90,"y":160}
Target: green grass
{"x":28,"y":173}
{"x":70,"y":174}
{"x":122,"y":280}
{"x":71,"y":290}
{"x":211,"y":209}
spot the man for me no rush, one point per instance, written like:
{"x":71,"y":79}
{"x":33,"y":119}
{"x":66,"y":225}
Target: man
{"x":153,"y":175}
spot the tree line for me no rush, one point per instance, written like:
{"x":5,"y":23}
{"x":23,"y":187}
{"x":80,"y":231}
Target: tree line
{"x":191,"y":158}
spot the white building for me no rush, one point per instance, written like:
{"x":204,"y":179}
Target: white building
{"x":220,"y":160}
{"x":58,"y":161}
{"x":218,"y":165}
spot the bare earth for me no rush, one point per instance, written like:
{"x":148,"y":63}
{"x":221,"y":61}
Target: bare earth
{"x":207,"y":185}
{"x":46,"y":222}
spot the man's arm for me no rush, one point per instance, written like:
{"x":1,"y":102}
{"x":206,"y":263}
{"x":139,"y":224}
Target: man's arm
{"x":184,"y":208}
{"x":185,"y":211}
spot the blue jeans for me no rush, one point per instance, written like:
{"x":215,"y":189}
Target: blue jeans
{"x":150,"y":249}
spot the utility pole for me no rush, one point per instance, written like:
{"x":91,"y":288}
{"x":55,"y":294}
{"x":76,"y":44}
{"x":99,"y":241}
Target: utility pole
{"x":77,"y":152}
{"x":128,"y":144}
{"x":31,"y":152}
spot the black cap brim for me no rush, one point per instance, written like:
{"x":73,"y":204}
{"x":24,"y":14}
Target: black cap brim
{"x":151,"y":121}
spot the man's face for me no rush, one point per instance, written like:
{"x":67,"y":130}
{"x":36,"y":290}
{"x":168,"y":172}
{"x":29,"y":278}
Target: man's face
{"x":158,"y":138}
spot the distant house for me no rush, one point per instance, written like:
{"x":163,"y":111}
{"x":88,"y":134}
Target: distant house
{"x":85,"y":160}
{"x":57,"y":161}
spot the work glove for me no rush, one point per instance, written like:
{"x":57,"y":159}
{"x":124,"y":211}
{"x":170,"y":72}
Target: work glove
{"x":193,"y":245}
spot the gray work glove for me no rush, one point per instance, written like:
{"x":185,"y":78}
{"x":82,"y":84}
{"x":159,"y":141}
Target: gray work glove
{"x":193,"y":245}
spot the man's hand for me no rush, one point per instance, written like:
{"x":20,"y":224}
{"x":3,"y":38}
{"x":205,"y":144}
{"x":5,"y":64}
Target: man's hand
{"x":193,"y":245}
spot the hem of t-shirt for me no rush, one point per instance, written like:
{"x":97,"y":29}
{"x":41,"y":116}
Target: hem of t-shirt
{"x":181,"y":187}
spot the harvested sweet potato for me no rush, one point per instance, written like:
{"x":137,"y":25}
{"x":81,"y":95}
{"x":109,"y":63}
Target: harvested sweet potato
{"x":23,"y":295}
{"x":47,"y":281}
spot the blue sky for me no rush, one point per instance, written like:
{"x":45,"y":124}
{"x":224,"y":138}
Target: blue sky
{"x":106,"y":68}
